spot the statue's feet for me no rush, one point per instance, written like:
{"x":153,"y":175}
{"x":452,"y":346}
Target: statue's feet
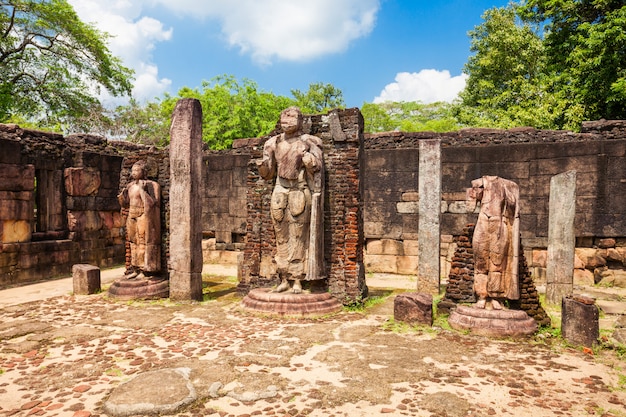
{"x":496,"y":305}
{"x":481,"y":303}
{"x":131,"y":275}
{"x":282,"y":287}
{"x":297,"y":287}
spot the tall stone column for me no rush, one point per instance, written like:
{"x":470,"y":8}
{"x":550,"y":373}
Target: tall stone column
{"x":185,"y":201}
{"x":561,"y":238}
{"x":429,"y":187}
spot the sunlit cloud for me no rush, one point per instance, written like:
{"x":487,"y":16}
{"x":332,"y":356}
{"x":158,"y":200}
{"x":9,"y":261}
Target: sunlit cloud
{"x":133,"y":37}
{"x":426,"y":86}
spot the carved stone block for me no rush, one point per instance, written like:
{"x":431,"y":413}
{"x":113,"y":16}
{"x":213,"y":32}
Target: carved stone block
{"x":86,"y":279}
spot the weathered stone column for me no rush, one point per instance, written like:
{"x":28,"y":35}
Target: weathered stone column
{"x":429,"y":187}
{"x":561,"y":238}
{"x":185,"y":201}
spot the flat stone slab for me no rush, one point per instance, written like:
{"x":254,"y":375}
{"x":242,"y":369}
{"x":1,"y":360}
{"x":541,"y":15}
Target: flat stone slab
{"x":164,"y":391}
{"x":288,"y":304}
{"x":611,"y":307}
{"x":139,"y":289}
{"x":492,"y":323}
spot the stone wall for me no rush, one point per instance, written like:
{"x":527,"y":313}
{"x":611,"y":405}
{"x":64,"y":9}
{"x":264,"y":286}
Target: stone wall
{"x":58,"y":202}
{"x":341,"y":133}
{"x":224,"y":209}
{"x":527,"y":156}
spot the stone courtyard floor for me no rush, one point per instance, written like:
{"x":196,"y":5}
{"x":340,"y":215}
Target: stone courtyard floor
{"x":64,"y":355}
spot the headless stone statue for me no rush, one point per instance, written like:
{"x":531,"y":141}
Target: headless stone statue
{"x":296,"y":160}
{"x":496,"y":240}
{"x":142,"y":198}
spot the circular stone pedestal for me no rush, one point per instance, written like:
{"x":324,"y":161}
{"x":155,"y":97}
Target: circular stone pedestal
{"x":262,"y":300}
{"x":492,"y":323}
{"x":140,"y":289}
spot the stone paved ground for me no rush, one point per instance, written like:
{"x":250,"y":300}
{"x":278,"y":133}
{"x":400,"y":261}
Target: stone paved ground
{"x":63,"y":356}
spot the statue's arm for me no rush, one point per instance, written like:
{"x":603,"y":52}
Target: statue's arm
{"x":123,"y":198}
{"x":267,"y":165}
{"x":314,"y":157}
{"x":151,"y":194}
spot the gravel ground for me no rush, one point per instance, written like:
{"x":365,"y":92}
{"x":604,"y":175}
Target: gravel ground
{"x":63,"y":356}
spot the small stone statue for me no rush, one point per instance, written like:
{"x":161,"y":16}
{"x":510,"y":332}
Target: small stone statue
{"x":496,"y":240}
{"x":296,"y":160}
{"x":142,"y":198}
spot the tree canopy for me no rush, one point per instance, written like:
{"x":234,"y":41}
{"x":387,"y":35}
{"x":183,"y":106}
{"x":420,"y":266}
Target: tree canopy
{"x":585,"y":43}
{"x":507,"y":84}
{"x":320,"y":97}
{"x":51,"y":64}
{"x":547,"y":64}
{"x":231,"y":109}
{"x":409,"y":116}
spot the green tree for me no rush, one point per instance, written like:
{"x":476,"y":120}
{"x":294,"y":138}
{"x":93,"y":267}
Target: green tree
{"x":409,"y":116}
{"x":319,"y":98}
{"x":233,"y":110}
{"x":585,"y":42}
{"x":230,"y":110}
{"x":507,"y":84}
{"x":51,"y":64}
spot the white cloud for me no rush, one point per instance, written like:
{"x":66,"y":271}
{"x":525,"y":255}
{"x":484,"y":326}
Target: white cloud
{"x":267,"y":30}
{"x":132,"y":39}
{"x":426,"y":86}
{"x":286,"y":29}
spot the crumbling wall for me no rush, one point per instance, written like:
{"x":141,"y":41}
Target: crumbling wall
{"x":58,"y":199}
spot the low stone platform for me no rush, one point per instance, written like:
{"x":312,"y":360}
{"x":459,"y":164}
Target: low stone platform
{"x":140,"y":289}
{"x":262,"y":300}
{"x":492,"y":323}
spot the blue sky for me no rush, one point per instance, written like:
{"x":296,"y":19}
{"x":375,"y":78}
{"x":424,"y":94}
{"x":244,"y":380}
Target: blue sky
{"x":373,"y":50}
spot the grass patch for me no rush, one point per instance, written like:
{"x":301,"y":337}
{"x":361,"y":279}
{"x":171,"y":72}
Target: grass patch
{"x":376,"y":297}
{"x":394,"y":326}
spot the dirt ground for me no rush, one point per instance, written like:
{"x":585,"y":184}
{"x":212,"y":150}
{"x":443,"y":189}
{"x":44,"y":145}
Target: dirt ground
{"x":63,"y":356}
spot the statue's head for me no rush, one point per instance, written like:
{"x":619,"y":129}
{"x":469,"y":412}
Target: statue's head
{"x":138,"y":171}
{"x":291,"y":120}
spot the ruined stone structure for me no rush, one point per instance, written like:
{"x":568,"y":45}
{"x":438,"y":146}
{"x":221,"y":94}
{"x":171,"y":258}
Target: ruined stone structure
{"x":460,"y":287}
{"x":72,"y":214}
{"x":341,"y":134}
{"x":58,"y":201}
{"x":527,"y":156}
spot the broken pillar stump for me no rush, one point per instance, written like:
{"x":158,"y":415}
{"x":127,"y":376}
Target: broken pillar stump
{"x":413,"y":308}
{"x":86,"y":279}
{"x":580,"y":320}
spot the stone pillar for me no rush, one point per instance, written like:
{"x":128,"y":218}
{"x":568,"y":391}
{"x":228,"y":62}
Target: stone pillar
{"x":580,"y":320}
{"x":185,"y":198}
{"x":561,"y":238}
{"x":429,"y":187}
